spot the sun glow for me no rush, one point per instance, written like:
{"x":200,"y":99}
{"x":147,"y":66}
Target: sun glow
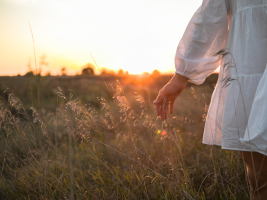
{"x":135,"y":36}
{"x":141,"y":62}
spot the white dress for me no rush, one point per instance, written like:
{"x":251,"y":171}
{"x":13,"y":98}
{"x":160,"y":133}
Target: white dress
{"x":240,"y":26}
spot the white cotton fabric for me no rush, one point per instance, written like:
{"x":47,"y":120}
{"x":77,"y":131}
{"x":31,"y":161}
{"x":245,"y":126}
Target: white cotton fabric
{"x":240,"y":26}
{"x":256,"y":133}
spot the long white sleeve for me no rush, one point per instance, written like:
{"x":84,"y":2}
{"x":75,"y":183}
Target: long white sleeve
{"x":205,"y":35}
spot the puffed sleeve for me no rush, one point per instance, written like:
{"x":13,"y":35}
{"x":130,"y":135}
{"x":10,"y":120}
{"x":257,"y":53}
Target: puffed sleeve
{"x":205,"y":35}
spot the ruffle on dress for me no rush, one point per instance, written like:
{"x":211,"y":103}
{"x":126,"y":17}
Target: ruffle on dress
{"x":255,"y":138}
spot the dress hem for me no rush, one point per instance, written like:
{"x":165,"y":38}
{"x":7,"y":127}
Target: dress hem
{"x":227,"y":148}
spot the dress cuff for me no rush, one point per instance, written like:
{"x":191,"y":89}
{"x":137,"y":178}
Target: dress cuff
{"x":196,"y":81}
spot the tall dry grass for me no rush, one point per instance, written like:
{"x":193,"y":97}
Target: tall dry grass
{"x":118,"y":151}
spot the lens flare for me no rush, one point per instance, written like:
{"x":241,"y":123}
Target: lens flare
{"x":163,"y":133}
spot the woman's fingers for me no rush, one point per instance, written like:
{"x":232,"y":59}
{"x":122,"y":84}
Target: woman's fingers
{"x":162,"y":109}
{"x":158,"y":109}
{"x":160,"y":97}
{"x":158,"y":104}
{"x":163,"y":113}
{"x":170,"y":91}
{"x":171,"y":106}
{"x":162,"y":116}
{"x":166,"y":111}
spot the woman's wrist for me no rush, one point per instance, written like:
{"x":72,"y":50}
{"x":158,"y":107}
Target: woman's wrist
{"x":180,"y":77}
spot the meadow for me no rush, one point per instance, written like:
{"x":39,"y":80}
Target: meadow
{"x":98,"y":137}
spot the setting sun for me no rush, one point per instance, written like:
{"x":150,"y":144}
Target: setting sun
{"x":135,"y":36}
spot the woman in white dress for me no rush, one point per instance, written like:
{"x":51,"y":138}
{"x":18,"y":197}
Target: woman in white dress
{"x":236,"y":120}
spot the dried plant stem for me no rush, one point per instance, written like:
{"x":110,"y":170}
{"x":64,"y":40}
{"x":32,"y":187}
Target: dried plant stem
{"x":188,"y":196}
{"x":100,"y":74}
{"x":36,"y":71}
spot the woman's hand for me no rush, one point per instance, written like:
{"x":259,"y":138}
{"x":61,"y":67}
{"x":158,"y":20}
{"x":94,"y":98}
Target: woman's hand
{"x":168,"y":94}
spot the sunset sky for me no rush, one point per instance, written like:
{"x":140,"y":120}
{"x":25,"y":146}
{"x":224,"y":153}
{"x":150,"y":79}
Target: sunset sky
{"x":135,"y":35}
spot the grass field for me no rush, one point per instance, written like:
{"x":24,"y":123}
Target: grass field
{"x":93,"y":137}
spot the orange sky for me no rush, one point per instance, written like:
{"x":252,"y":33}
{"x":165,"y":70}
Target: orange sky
{"x":135,"y":35}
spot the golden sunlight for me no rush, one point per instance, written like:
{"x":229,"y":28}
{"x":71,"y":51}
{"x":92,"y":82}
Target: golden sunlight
{"x":141,"y":62}
{"x":135,"y":36}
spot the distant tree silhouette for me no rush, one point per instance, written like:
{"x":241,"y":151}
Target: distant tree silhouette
{"x":29,"y":73}
{"x":43,"y":62}
{"x":63,"y":71}
{"x":145,"y":74}
{"x":155,"y":73}
{"x":48,"y":74}
{"x":120,"y":72}
{"x":88,"y":69}
{"x":29,"y":65}
{"x":104,"y":72}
